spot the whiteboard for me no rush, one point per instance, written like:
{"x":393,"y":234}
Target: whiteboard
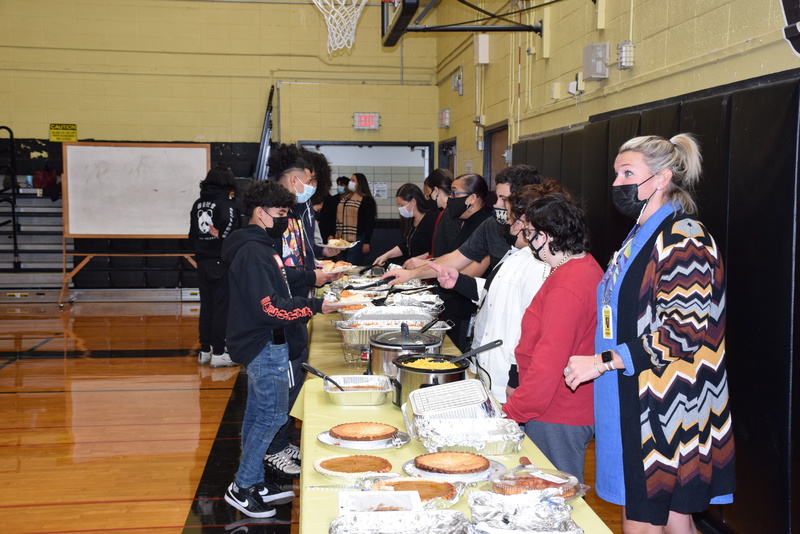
{"x":131,"y":189}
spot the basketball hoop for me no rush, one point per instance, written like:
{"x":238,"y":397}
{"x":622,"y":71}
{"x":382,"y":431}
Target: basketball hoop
{"x":341,"y":16}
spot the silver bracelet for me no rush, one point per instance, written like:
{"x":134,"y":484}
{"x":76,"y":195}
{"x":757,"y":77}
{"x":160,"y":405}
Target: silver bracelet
{"x":609,"y":366}
{"x":595,"y":366}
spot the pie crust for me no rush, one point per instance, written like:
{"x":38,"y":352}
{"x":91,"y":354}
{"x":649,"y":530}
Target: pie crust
{"x":363,"y":431}
{"x":451,"y":463}
{"x":338,"y":466}
{"x":427,"y":489}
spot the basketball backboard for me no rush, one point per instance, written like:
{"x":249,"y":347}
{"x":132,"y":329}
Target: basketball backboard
{"x":396,"y":15}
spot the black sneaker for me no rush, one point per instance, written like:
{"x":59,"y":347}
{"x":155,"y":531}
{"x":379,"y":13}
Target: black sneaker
{"x":274,"y":494}
{"x":248,"y":501}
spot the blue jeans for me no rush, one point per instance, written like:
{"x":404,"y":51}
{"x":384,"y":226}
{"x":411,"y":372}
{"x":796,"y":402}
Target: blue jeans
{"x":564,"y":445}
{"x":266,"y":411}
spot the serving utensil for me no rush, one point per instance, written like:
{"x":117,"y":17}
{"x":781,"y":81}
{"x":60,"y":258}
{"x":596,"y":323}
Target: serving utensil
{"x":482,"y":348}
{"x":322,"y":375}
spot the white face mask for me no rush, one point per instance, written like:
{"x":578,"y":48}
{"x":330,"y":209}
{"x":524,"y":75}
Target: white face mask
{"x":352,"y":186}
{"x":405,"y":211}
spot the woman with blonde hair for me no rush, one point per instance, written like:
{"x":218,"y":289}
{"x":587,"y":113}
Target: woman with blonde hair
{"x":664,"y":439}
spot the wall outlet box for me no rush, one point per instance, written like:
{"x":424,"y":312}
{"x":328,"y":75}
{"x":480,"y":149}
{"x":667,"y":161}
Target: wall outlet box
{"x":480,"y":44}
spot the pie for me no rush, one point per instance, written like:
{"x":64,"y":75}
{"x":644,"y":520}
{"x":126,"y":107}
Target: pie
{"x":520,"y":483}
{"x":363,"y":431}
{"x":451,"y":463}
{"x":351,"y":465}
{"x":427,"y":489}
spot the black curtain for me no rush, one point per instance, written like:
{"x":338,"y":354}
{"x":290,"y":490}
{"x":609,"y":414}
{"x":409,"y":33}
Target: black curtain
{"x":761,"y":304}
{"x":748,"y":198}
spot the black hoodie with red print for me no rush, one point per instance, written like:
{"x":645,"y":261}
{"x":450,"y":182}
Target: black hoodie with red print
{"x":260,"y":299}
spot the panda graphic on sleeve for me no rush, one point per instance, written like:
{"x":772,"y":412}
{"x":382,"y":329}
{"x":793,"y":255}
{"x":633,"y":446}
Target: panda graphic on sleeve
{"x":204,"y":221}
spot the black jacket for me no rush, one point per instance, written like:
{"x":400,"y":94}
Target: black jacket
{"x":260,"y":299}
{"x":214,"y":207}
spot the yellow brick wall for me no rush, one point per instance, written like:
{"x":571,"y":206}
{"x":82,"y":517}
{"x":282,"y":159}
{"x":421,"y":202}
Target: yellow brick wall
{"x":192,"y":70}
{"x":681,"y":46}
{"x":200,"y":71}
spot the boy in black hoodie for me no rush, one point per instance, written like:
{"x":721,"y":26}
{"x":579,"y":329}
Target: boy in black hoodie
{"x":265,"y":324}
{"x":213,"y":218}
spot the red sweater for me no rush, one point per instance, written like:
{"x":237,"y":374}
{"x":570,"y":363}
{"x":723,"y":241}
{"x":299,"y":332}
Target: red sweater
{"x":559,"y":322}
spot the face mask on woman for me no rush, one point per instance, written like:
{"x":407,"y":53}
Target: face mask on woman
{"x":626,"y":199}
{"x":457,"y":206}
{"x":535,"y":250}
{"x":405,"y":211}
{"x":340,"y":189}
{"x":352,"y":186}
{"x":509,"y":237}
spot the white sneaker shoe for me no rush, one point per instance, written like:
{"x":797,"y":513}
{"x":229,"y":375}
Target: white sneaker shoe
{"x":293,"y":452}
{"x":222,"y":360}
{"x":281,"y":462}
{"x":203,"y":358}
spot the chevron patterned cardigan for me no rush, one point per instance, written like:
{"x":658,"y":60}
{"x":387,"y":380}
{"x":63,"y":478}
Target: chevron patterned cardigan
{"x":675,"y":421}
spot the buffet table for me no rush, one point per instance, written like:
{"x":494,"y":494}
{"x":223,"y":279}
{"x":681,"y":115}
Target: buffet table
{"x":319,"y":507}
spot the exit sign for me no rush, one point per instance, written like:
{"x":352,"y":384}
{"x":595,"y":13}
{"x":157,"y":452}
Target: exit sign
{"x":366,"y":121}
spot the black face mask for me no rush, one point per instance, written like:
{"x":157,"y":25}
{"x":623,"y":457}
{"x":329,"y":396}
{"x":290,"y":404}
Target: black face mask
{"x":501,"y":215}
{"x":535,"y":250}
{"x":626,"y":199}
{"x":279,"y":226}
{"x":510,"y":239}
{"x":457,"y":206}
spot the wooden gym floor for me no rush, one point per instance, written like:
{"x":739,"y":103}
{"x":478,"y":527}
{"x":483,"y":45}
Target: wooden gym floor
{"x":110,"y":426}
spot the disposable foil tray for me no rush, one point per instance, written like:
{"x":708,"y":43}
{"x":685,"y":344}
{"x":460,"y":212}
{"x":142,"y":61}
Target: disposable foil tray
{"x":394,"y":313}
{"x":485,"y":436}
{"x":427,"y":522}
{"x":358,"y":333}
{"x":464,"y":399}
{"x":366,"y":397}
{"x":463,"y":395}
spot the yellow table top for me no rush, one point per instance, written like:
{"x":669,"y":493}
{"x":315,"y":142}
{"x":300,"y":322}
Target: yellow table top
{"x":319,"y":507}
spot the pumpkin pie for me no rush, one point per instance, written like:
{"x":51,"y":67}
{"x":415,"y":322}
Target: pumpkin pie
{"x":348,"y":466}
{"x":363,"y":431}
{"x":427,"y":489}
{"x":451,"y":463}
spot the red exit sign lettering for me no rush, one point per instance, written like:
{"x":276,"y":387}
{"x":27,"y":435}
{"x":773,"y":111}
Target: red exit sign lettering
{"x":366,"y":121}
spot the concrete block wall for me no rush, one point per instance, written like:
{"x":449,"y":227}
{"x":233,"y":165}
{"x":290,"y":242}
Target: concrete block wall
{"x":200,"y":71}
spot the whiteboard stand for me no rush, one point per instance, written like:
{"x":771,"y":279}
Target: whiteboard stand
{"x":129,"y":190}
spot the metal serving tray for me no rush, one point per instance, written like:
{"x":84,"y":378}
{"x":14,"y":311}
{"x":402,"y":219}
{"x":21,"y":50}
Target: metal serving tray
{"x":355,"y":333}
{"x":358,"y":398}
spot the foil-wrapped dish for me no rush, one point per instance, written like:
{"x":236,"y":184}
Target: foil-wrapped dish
{"x":528,"y":512}
{"x":427,"y":522}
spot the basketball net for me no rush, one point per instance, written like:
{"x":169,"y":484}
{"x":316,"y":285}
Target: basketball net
{"x":341,"y":16}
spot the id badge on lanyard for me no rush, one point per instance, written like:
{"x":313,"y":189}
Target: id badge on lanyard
{"x":608,"y":322}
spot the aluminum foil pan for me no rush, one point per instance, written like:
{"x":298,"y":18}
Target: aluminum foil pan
{"x":496,"y":436}
{"x":427,"y":522}
{"x":394,"y":313}
{"x":370,"y":397}
{"x":357,"y":333}
{"x":530,"y":512}
{"x":423,"y":298}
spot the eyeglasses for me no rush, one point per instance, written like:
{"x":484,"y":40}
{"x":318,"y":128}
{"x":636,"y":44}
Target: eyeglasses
{"x":454,"y":192}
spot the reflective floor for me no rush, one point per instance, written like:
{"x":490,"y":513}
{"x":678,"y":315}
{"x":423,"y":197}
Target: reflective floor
{"x":109,"y":425}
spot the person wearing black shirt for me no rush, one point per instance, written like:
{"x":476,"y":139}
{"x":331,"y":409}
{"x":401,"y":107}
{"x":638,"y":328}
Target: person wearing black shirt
{"x":418,"y":222}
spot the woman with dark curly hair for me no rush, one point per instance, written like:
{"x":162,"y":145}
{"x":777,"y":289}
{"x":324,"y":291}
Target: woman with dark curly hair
{"x":559,"y":322}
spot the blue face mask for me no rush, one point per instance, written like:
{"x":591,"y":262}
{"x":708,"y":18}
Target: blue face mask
{"x":341,"y":189}
{"x":308,"y":192}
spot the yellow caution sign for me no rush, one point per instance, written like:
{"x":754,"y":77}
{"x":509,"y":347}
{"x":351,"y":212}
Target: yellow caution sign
{"x":60,"y":133}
